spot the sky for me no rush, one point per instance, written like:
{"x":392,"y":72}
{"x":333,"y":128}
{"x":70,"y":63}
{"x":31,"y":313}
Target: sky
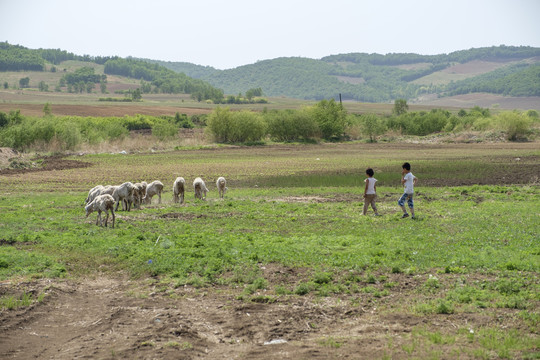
{"x":226,"y":34}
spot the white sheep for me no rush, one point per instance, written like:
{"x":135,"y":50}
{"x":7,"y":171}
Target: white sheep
{"x":154,"y":188}
{"x":101,"y":203}
{"x":221,"y":184}
{"x":135,"y":198}
{"x":200,"y":187}
{"x":121,"y":193}
{"x":95,"y":191}
{"x":142,"y":191}
{"x":178,"y":190}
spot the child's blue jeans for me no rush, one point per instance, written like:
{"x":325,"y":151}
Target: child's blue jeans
{"x":408,"y":197}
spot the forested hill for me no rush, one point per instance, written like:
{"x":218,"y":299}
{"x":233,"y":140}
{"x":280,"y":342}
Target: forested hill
{"x":506,"y":70}
{"x":153,"y":77}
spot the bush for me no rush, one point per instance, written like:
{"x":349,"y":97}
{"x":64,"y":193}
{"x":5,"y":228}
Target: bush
{"x":242,"y":126}
{"x":331,"y":119}
{"x":517,"y":126}
{"x":372,"y":126}
{"x":164,"y":130}
{"x":290,"y":125}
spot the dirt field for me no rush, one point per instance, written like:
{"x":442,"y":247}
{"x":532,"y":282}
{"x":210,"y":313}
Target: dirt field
{"x":483,"y":100}
{"x":101,"y":110}
{"x":109,"y":318}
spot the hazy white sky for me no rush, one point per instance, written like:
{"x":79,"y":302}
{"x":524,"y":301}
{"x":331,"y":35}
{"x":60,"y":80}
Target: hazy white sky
{"x":230,"y":33}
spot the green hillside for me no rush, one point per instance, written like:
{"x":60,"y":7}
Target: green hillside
{"x":152,"y":78}
{"x":379,"y":78}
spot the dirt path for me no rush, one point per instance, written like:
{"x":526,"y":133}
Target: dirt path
{"x":105,"y":318}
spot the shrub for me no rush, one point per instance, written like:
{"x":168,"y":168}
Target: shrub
{"x":331,"y":119}
{"x":290,"y":125}
{"x":372,"y":126}
{"x":164,"y":130}
{"x":242,"y":126}
{"x":517,"y":126}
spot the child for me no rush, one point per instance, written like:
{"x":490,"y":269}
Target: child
{"x":408,"y":180}
{"x":370,"y":192}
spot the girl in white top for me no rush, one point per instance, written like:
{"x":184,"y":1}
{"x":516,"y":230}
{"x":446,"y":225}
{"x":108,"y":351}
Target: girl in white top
{"x":370,"y":192}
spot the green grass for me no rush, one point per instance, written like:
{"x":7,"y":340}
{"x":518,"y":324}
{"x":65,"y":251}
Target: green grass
{"x":472,"y":249}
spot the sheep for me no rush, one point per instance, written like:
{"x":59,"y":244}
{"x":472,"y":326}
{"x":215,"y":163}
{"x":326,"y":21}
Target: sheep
{"x":95,"y":191}
{"x":154,"y":188}
{"x":121,"y":193}
{"x":221,"y":185}
{"x":134,"y":199}
{"x":142,"y":191}
{"x":101,"y":203}
{"x":178,"y":190}
{"x":200,"y":188}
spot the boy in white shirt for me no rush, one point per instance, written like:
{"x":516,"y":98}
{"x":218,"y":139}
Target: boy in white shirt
{"x":408,"y":180}
{"x":370,"y":192}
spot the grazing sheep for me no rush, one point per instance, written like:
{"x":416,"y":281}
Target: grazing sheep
{"x":142,"y":191}
{"x":95,"y":191}
{"x":134,"y":199}
{"x":154,"y":188}
{"x":200,"y":188}
{"x":121,"y":193}
{"x":221,"y":184}
{"x":101,"y":203}
{"x":178,"y":190}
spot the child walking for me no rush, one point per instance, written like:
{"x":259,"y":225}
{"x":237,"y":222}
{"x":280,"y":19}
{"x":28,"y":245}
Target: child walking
{"x":370,"y":192}
{"x":408,"y":180}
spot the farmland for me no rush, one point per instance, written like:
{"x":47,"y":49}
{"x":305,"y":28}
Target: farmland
{"x":285,"y":266}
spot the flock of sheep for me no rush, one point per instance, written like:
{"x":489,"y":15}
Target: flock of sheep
{"x":104,"y":198}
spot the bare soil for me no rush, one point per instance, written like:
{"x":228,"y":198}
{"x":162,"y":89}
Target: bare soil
{"x":47,"y":163}
{"x":107,"y":318}
{"x":101,"y":110}
{"x":483,"y":100}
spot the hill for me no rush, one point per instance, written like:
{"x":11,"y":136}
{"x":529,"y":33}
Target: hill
{"x":505,"y":70}
{"x":75,"y":73}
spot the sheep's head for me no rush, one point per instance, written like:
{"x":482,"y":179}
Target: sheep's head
{"x":89,"y":208}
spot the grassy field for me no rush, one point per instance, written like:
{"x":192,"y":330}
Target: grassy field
{"x":472,"y":256}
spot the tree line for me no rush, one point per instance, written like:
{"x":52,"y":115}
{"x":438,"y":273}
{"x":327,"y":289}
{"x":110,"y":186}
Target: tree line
{"x":357,"y":76}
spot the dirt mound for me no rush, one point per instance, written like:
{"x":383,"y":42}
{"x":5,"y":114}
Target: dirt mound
{"x":47,"y":163}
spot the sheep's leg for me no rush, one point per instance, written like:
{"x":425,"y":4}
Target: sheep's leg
{"x":159,"y":194}
{"x":107,"y":217}
{"x":98,"y":218}
{"x":113,"y":218}
{"x":182,"y":198}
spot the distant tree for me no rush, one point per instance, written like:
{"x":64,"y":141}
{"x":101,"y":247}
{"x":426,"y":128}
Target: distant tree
{"x":136,"y":95}
{"x":251,"y":93}
{"x":372,"y":126}
{"x":146,"y":87}
{"x":400,"y":107}
{"x":24,"y":82}
{"x":43,"y":86}
{"x":89,"y":87}
{"x":47,"y":109}
{"x":53,"y":69}
{"x":331,"y":118}
{"x":103,"y":86}
{"x":6,"y":85}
